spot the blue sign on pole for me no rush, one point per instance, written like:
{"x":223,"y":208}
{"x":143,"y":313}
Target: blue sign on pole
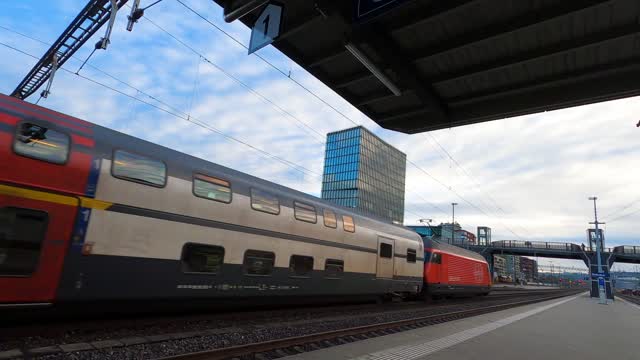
{"x":601,"y":282}
{"x":369,"y":8}
{"x":598,"y":275}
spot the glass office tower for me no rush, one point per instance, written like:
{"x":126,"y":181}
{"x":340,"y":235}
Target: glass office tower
{"x":364,"y":172}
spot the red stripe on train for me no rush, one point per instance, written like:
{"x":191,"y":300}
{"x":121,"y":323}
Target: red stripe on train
{"x":84,"y":141}
{"x":8,"y":119}
{"x":79,"y":128}
{"x":49,"y":111}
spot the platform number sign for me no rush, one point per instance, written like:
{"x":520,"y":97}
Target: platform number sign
{"x":267,"y":27}
{"x":601,"y":283}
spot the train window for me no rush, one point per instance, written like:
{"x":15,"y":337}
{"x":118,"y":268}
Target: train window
{"x":333,"y":268}
{"x":386,"y":250}
{"x":436,"y":258}
{"x":200,"y":258}
{"x":138,"y":168}
{"x":211,"y":188}
{"x":330,"y":219}
{"x":258,"y":262}
{"x":304,"y":212}
{"x":22,"y":232}
{"x":265,"y":202}
{"x":41,"y":143}
{"x":347,"y":223}
{"x":301,"y":265}
{"x":411,"y":255}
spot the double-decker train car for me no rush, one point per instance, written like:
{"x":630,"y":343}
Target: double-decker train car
{"x":91,"y":214}
{"x":453,"y":271}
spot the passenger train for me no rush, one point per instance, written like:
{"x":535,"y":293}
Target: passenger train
{"x":91,"y":214}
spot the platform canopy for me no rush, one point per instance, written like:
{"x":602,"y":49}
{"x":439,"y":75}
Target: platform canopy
{"x":420,"y":65}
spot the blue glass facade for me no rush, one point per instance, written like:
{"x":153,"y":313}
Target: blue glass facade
{"x":362,"y":171}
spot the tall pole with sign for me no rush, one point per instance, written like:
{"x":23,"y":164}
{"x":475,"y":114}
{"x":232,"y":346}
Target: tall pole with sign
{"x":601,"y":280}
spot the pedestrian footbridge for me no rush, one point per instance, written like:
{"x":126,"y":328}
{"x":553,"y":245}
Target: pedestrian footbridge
{"x":623,"y":254}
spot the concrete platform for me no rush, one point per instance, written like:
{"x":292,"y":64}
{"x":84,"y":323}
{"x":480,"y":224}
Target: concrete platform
{"x":575,"y":327}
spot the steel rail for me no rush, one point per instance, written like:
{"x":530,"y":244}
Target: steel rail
{"x":271,"y":345}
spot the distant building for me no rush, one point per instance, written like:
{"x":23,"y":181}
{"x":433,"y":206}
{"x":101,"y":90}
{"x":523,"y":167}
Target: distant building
{"x":364,"y":172}
{"x":446,"y":232}
{"x":499,"y":265}
{"x":513,"y":266}
{"x":529,"y":268}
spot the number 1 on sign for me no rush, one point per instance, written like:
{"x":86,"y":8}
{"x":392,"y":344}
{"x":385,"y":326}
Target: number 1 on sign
{"x":266,"y":25}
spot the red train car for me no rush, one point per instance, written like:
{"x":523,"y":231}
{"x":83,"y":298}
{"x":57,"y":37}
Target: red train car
{"x":453,"y":271}
{"x":36,"y":227}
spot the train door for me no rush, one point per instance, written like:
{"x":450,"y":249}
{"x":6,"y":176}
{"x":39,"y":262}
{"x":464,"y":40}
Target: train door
{"x":435,"y":268}
{"x":35,"y":230}
{"x":384,"y":267}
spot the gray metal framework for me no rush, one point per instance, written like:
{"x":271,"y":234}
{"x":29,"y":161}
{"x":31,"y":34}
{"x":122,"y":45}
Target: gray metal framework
{"x":92,"y":17}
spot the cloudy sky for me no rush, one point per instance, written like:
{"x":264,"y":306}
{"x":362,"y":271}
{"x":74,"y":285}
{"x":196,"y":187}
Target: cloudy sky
{"x":178,"y":81}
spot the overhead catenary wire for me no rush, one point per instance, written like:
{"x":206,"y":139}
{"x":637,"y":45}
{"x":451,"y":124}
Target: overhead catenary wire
{"x":318,"y":137}
{"x":236,"y":79}
{"x":622,"y":208}
{"x":477,"y":186}
{"x":177,"y":114}
{"x":271,"y":102}
{"x":169,"y":109}
{"x":284,"y":73}
{"x":173,"y":111}
{"x":623,"y":216}
{"x":288,"y":75}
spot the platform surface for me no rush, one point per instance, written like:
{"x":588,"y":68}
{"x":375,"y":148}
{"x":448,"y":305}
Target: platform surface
{"x":575,"y":327}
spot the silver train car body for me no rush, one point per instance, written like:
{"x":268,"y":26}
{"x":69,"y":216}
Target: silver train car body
{"x":138,"y":240}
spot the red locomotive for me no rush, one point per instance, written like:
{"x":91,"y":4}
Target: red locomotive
{"x":453,"y":271}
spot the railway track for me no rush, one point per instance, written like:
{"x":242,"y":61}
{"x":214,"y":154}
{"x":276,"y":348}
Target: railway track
{"x":629,"y":298}
{"x":298,"y":344}
{"x":281,"y":332}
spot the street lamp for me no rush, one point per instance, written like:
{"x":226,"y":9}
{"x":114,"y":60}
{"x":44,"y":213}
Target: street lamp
{"x":601,"y":280}
{"x":453,"y":221}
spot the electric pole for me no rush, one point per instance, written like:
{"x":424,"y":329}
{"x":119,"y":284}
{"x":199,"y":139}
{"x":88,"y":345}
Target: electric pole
{"x":453,"y":222}
{"x":601,"y":280}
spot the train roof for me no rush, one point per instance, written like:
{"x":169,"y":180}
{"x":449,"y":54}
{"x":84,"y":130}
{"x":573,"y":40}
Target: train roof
{"x":452,"y":249}
{"x":178,"y":158}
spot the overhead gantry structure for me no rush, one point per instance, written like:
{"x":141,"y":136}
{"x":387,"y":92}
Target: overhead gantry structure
{"x":90,"y":19}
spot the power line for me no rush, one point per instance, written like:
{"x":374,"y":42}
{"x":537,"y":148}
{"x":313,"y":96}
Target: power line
{"x":476,"y":185}
{"x":285,"y":74}
{"x":235,"y":40}
{"x":264,"y":99}
{"x":234,"y":78}
{"x":173,"y":111}
{"x":622,"y":208}
{"x":250,"y":89}
{"x":623,"y":216}
{"x":176,"y":113}
{"x":192,"y":119}
{"x":465,"y":172}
